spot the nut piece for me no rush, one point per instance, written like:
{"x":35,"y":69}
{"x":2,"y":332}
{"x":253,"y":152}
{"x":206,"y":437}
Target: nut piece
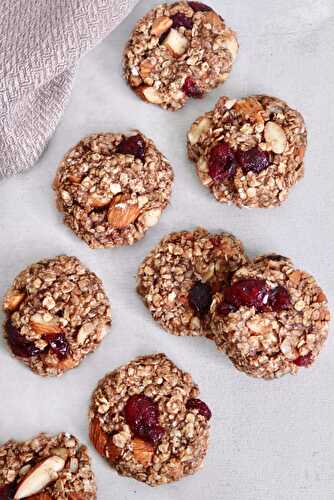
{"x":13,"y":299}
{"x":142,"y":451}
{"x":98,"y":201}
{"x":176,"y":43}
{"x":197,"y":130}
{"x":275,"y":137}
{"x":98,"y":437}
{"x":232,"y":46}
{"x":43,"y":327}
{"x":85,"y":331}
{"x":149,"y":94}
{"x":151,"y":217}
{"x":121,"y":213}
{"x":112,"y":452}
{"x":161,"y":25}
{"x":146,"y":68}
{"x":249,"y":107}
{"x":40,"y":476}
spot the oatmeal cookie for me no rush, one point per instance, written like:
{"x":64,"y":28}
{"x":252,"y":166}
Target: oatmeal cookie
{"x":111,"y":188}
{"x":178,"y":278}
{"x":147,"y":421}
{"x":249,"y":152}
{"x":46,"y":467}
{"x":272,"y":320}
{"x":57,"y":312}
{"x":179,"y":51}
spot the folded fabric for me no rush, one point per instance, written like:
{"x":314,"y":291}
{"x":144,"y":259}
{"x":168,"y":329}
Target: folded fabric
{"x":41,"y":42}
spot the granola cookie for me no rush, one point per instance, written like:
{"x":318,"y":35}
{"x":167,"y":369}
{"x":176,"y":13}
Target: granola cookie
{"x":57,"y":312}
{"x":147,"y":421}
{"x":112,"y":188}
{"x":249,"y":152}
{"x":178,"y":278}
{"x":272,"y":320}
{"x":45,"y":468}
{"x":179,"y":51}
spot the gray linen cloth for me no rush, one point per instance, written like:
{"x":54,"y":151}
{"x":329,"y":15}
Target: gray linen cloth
{"x":41,"y":42}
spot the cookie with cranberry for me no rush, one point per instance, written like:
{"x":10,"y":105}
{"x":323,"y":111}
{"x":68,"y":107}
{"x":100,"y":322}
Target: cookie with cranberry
{"x":249,"y":152}
{"x":46,"y":467}
{"x":272,"y":320}
{"x":177,"y":52}
{"x":147,"y":421}
{"x":57,"y":312}
{"x":112,"y":188}
{"x":178,"y":278}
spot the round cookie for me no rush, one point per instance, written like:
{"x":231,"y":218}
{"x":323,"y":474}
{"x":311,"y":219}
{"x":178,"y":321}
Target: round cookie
{"x":249,"y":152}
{"x":57,"y":312}
{"x":45,"y":468}
{"x":177,"y":52}
{"x":178,"y":278}
{"x":147,"y":421}
{"x":272,"y":320}
{"x":112,"y":188}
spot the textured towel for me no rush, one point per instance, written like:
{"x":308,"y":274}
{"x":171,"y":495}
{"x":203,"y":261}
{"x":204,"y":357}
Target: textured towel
{"x":41,"y":42}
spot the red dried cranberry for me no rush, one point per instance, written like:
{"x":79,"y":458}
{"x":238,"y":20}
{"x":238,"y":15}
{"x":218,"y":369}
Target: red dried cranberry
{"x":181,"y":20}
{"x":199,"y":7}
{"x":304,"y":361}
{"x":200,"y":298}
{"x":253,"y":160}
{"x":134,"y":145}
{"x":200,"y":406}
{"x":248,"y":292}
{"x":224,"y":309}
{"x":7,"y":492}
{"x":19,"y":344}
{"x":222,"y":164}
{"x":191,"y":89}
{"x":58,"y":344}
{"x":279,"y":299}
{"x":142,"y":415}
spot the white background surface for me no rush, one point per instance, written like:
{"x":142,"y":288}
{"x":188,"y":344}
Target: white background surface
{"x":269,"y":440}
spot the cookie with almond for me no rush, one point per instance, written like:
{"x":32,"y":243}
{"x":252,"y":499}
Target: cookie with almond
{"x":46,"y":467}
{"x":146,"y":420}
{"x":57,"y":313}
{"x":250,"y":151}
{"x":111,"y":188}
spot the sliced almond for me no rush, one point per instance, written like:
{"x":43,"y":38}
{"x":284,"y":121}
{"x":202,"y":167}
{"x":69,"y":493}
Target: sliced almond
{"x":275,"y":137}
{"x":121,"y":212}
{"x":232,"y":46}
{"x":98,"y":437}
{"x":98,"y":201}
{"x":150,"y":94}
{"x":146,"y":68}
{"x":142,"y":451}
{"x":176,"y":43}
{"x":161,"y":25}
{"x":198,"y":129}
{"x":43,"y":327}
{"x":13,"y":299}
{"x":151,"y":217}
{"x":39,"y":477}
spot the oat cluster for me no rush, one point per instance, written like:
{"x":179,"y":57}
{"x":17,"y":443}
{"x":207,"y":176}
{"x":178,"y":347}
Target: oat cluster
{"x":57,"y":312}
{"x":180,"y":261}
{"x":179,"y":51}
{"x":260,"y":122}
{"x":72,"y":479}
{"x":110,"y":198}
{"x":184,"y":444}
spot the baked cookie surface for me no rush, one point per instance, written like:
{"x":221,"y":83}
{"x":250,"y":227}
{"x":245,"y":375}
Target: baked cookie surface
{"x":57,"y":312}
{"x":272,"y":320}
{"x":112,"y":188}
{"x":147,"y":421}
{"x":249,"y":151}
{"x":45,"y":468}
{"x":179,"y":51}
{"x":178,"y":278}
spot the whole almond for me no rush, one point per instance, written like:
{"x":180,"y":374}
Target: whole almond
{"x":275,"y":137}
{"x":42,"y":327}
{"x":149,"y":94}
{"x":98,"y":437}
{"x":122,"y":213}
{"x":39,"y":477}
{"x":161,"y":25}
{"x":13,"y":299}
{"x":198,"y":129}
{"x":142,"y":451}
{"x":98,"y":201}
{"x":112,"y":452}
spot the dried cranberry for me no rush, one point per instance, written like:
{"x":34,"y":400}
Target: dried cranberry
{"x":7,"y":492}
{"x":279,"y":299}
{"x":253,"y":160}
{"x":304,"y":361}
{"x":222,"y":164}
{"x":224,"y":309}
{"x":200,"y":406}
{"x":199,"y":7}
{"x":58,"y":344}
{"x":142,"y":415}
{"x":200,"y":298}
{"x":250,"y":292}
{"x":191,"y":89}
{"x":134,"y":145}
{"x":19,"y":344}
{"x":181,"y":20}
